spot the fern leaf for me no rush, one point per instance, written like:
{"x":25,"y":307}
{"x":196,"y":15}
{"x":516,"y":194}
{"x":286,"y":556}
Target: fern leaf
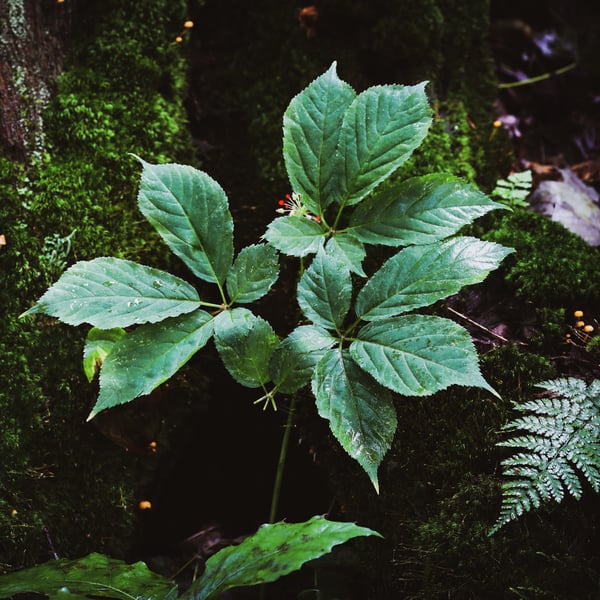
{"x":514,"y":189}
{"x":558,"y":437}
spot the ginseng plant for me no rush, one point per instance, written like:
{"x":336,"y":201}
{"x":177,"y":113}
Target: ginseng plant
{"x":362,"y":346}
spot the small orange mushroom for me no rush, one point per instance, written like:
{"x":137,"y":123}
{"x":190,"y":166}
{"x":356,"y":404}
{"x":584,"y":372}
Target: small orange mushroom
{"x":588,"y":328}
{"x":179,"y":39}
{"x":578,"y":314}
{"x":308,"y":18}
{"x":145,"y":505}
{"x":188,"y":24}
{"x":579,"y":324}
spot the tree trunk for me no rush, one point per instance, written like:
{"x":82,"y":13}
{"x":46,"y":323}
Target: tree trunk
{"x":30,"y":61}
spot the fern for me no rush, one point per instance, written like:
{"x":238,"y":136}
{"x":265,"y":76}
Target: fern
{"x":559,"y":440}
{"x":514,"y":190}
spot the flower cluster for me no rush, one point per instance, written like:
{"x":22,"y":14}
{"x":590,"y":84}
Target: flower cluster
{"x":294,"y":207}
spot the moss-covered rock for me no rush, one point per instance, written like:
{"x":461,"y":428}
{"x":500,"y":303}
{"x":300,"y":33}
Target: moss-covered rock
{"x":552,"y":267}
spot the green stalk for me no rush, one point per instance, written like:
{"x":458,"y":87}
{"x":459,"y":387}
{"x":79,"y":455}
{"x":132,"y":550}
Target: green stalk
{"x":285,"y":442}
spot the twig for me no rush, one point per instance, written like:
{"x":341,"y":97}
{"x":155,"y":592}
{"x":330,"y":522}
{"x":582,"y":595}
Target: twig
{"x":484,"y":328}
{"x":50,"y":544}
{"x":537,"y":78}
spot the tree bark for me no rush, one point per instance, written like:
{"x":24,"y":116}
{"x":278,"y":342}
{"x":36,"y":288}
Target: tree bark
{"x":31,"y":56}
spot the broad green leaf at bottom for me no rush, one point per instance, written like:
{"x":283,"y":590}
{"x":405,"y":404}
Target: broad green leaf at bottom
{"x":360,"y":412}
{"x":273,"y":551}
{"x":93,"y":576}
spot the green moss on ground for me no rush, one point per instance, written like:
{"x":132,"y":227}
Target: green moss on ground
{"x":552,"y":267}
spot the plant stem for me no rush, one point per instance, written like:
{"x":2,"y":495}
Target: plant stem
{"x":337,"y":217}
{"x":285,"y":442}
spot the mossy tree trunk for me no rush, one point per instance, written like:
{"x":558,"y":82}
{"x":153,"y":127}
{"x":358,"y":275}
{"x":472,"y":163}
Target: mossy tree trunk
{"x":31,"y":57}
{"x":82,"y":84}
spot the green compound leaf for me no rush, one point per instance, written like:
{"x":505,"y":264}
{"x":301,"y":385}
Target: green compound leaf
{"x":272,"y":552}
{"x":98,"y":344}
{"x":421,"y":275}
{"x":245,"y":343}
{"x":418,"y":355}
{"x":513,"y":190}
{"x":111,"y":292}
{"x":295,"y":236}
{"x":325,"y":291}
{"x":143,"y":359}
{"x":311,"y":129}
{"x":90,"y":577}
{"x":381,"y":129}
{"x":360,"y":412}
{"x":190,"y":211}
{"x":420,"y":210}
{"x":294,"y":359}
{"x":252,"y":274}
{"x":345,"y":247}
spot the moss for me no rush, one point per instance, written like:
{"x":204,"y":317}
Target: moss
{"x":451,"y":146}
{"x":514,"y":370}
{"x":16,"y":18}
{"x":552,"y":267}
{"x":454,"y":557}
{"x":445,"y":42}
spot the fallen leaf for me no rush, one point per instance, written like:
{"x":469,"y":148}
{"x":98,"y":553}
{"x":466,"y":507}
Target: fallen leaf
{"x":571,"y":203}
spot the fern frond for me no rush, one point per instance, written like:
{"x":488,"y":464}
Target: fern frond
{"x":514,"y":189}
{"x":559,"y":441}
